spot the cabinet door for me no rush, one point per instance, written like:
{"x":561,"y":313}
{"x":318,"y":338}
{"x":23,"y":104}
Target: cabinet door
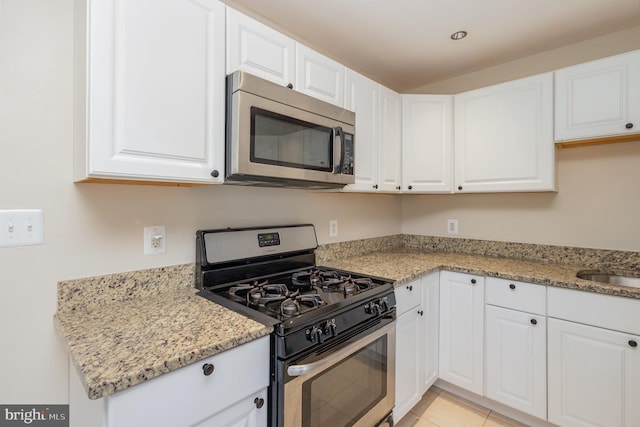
{"x":319,"y":76}
{"x":461,"y":330}
{"x":516,"y":359}
{"x":389,"y":164}
{"x":430,"y":324}
{"x":362,"y":97}
{"x":598,"y":98}
{"x":408,"y":384}
{"x":249,"y":412}
{"x":154,"y":75}
{"x":259,"y":49}
{"x":504,"y":137}
{"x":187,"y":396}
{"x":427,"y":143}
{"x":594,"y":376}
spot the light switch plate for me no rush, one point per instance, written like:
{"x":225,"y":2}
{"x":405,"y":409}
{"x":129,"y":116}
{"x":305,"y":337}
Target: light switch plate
{"x":21,"y":227}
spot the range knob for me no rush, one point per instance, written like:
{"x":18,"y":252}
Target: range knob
{"x":384,"y":304}
{"x":315,"y":334}
{"x":330,"y":328}
{"x":372,"y":308}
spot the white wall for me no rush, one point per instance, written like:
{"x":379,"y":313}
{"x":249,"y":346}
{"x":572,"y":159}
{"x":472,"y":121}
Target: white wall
{"x":94,"y":229}
{"x":596,"y":206}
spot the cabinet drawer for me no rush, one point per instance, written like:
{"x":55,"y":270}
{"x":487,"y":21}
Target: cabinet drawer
{"x":187,"y":396}
{"x":516,"y":295}
{"x":606,"y":311}
{"x":408,"y":296}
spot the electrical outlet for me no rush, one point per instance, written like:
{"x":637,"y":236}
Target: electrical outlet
{"x":333,"y":228}
{"x":452,"y":226}
{"x":155,"y":240}
{"x":21,"y":227}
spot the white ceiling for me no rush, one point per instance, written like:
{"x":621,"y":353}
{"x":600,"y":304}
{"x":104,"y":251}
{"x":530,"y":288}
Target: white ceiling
{"x":405,"y":44}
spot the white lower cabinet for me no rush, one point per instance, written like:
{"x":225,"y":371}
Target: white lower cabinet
{"x":461,"y":330}
{"x":516,"y":345}
{"x":594,"y":369}
{"x":516,"y":360}
{"x":416,"y":341}
{"x":408,"y":348}
{"x":233,"y":395}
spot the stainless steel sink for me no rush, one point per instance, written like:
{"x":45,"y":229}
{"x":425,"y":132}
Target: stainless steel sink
{"x":622,"y":279}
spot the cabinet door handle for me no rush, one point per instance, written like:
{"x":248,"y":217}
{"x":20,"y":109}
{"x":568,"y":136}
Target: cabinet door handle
{"x":534,"y":322}
{"x":208,"y":369}
{"x":512,"y":286}
{"x":259,"y":402}
{"x":633,"y":343}
{"x":375,"y":186}
{"x":473,"y":281}
{"x":629,"y":125}
{"x":410,"y":287}
{"x":420,"y":312}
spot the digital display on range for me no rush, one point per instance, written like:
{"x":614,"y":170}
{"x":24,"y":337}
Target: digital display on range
{"x":268,"y":239}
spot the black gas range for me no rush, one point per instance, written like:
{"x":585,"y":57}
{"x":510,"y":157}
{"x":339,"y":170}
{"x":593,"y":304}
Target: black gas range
{"x":269,"y":274}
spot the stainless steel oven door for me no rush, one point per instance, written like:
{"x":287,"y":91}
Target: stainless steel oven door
{"x":351,"y":385}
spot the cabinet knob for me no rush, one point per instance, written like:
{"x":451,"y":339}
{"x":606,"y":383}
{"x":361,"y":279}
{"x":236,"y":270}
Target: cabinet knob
{"x":208,"y":368}
{"x":459,"y":187}
{"x":290,"y":85}
{"x":629,"y":125}
{"x":398,"y":187}
{"x":633,"y":343}
{"x":473,"y":281}
{"x":512,"y":286}
{"x":410,"y":287}
{"x":410,"y":187}
{"x":375,"y":186}
{"x":259,"y":402}
{"x":534,"y":322}
{"x":215,"y":173}
{"x":420,"y":312}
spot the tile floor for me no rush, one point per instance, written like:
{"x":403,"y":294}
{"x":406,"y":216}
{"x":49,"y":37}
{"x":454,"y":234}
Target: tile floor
{"x":439,"y":408}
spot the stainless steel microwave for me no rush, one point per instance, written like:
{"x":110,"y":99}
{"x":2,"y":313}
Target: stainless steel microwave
{"x":276,"y":136}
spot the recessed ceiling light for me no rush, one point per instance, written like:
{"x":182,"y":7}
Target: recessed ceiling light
{"x":458,"y":35}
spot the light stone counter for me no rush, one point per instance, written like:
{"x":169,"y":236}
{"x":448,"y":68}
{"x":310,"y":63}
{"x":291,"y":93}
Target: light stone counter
{"x":123,"y":329}
{"x":402,"y":267}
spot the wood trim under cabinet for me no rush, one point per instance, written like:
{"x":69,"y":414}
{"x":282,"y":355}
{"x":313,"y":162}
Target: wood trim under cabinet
{"x":599,"y":141}
{"x":136,"y":182}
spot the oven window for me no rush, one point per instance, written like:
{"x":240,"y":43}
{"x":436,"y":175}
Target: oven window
{"x":284,"y":141}
{"x":342,"y":394}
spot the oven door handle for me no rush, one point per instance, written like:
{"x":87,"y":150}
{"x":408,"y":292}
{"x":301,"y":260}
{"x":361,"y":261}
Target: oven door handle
{"x":309,"y":368}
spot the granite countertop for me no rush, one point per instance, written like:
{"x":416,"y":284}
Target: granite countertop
{"x":123,"y":329}
{"x":403,"y":266}
{"x":116,"y":341}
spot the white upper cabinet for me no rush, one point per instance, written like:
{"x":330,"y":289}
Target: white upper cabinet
{"x":427,"y":143}
{"x":149,"y":98}
{"x":319,"y":76}
{"x":378,"y":138}
{"x":503,"y":137}
{"x":390,"y":140}
{"x":259,"y":49}
{"x":598,"y":98}
{"x":362,"y":97}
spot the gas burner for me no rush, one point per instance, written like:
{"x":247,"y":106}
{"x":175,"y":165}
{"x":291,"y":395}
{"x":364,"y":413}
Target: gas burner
{"x":300,"y":303}
{"x":259,"y":293}
{"x":348,"y":285}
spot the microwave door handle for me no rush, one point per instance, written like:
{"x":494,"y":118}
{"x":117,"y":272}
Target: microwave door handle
{"x":337,"y":131}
